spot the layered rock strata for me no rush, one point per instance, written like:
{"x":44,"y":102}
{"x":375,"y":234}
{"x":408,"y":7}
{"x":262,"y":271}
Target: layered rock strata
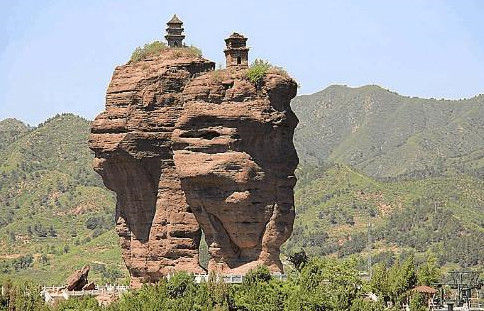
{"x":186,"y":148}
{"x":235,"y":157}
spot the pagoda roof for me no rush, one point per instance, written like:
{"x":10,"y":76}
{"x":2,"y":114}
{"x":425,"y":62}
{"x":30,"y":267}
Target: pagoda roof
{"x":175,"y":20}
{"x":236,"y":35}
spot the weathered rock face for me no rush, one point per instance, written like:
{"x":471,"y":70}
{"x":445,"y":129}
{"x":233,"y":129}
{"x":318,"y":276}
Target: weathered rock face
{"x":186,"y":148}
{"x":132,"y":144}
{"x":78,"y":280}
{"x":234,"y":155}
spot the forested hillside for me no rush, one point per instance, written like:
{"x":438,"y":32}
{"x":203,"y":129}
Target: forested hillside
{"x":54,"y":209}
{"x":10,"y":130}
{"x":413,"y":168}
{"x":441,"y":216}
{"x":387,"y":135}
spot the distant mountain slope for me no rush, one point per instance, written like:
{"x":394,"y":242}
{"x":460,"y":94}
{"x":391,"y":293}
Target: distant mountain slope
{"x":10,"y":130}
{"x":334,"y":205}
{"x":53,"y":205}
{"x":388,"y":135}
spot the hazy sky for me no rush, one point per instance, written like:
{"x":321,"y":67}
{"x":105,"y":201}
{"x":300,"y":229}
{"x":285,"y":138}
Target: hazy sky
{"x":58,"y":56}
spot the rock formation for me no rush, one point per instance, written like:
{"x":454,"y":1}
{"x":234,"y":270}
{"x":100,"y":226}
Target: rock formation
{"x":186,"y":149}
{"x":132,"y":143}
{"x":235,"y":158}
{"x":89,"y":286}
{"x":78,"y":279}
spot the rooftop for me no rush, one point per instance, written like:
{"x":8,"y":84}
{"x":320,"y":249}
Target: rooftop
{"x":236,"y":35}
{"x":175,"y":20}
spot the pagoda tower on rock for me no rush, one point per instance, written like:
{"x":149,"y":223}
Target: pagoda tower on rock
{"x":236,"y":52}
{"x":174,"y":32}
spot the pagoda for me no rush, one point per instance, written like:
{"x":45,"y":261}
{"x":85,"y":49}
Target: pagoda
{"x":174,"y":32}
{"x":236,"y":52}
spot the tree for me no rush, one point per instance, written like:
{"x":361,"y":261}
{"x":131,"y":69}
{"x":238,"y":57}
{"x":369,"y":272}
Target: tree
{"x":259,"y":292}
{"x":52,"y":231}
{"x":418,"y":302}
{"x":44,"y":259}
{"x":379,"y":283}
{"x":360,"y":304}
{"x":299,"y":259}
{"x":402,"y":278}
{"x":25,"y":297}
{"x":12,"y":237}
{"x":325,"y":284}
{"x":428,"y":273}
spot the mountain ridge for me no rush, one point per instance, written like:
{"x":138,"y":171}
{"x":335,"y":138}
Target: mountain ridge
{"x":388,"y":90}
{"x":371,"y":128}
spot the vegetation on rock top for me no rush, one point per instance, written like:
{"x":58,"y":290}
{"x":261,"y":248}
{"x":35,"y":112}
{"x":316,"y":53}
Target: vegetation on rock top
{"x":155,"y":48}
{"x":259,"y":68}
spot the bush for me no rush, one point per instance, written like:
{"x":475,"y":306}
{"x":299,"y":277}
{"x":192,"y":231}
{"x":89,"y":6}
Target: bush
{"x":258,"y":70}
{"x":191,"y":50}
{"x":148,"y":50}
{"x":156,"y":47}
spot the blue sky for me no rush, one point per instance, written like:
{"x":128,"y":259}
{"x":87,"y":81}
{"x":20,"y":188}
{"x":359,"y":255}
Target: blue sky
{"x":58,"y":56}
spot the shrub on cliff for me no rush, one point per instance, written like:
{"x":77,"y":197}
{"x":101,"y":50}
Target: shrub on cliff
{"x":187,"y":51}
{"x":259,"y":68}
{"x":149,"y":49}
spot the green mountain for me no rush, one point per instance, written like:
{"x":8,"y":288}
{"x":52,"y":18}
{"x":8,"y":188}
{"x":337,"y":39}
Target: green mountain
{"x":55,"y":213}
{"x":10,"y":130}
{"x":411,"y":167}
{"x":387,"y":135}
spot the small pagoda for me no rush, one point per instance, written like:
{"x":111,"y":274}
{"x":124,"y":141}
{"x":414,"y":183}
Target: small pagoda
{"x":174,"y":32}
{"x":236,"y":52}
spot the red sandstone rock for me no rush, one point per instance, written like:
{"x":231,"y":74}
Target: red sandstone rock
{"x":132,"y":143}
{"x":89,"y":286}
{"x":186,"y":148}
{"x":235,"y":158}
{"x":78,"y":279}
